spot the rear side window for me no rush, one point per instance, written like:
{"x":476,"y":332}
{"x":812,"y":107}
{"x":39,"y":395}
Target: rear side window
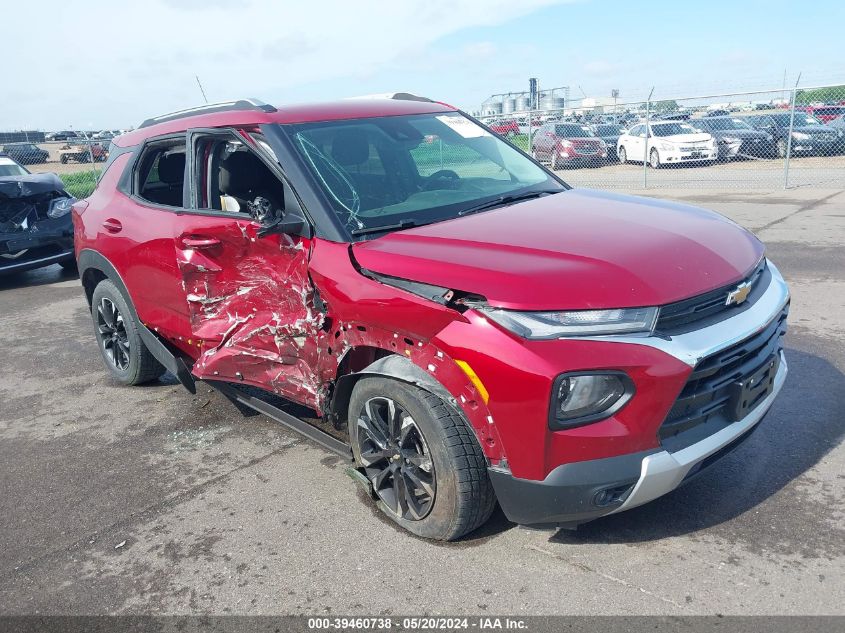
{"x":160,"y":173}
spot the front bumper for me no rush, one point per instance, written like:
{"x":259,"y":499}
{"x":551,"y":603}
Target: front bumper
{"x":577,"y":492}
{"x":51,"y":242}
{"x":688,"y":157}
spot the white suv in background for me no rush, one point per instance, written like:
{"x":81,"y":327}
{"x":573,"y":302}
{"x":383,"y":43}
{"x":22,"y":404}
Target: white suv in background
{"x":666,"y":143}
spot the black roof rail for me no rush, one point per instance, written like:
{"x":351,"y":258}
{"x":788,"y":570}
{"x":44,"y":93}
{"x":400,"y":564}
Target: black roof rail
{"x":225,"y":106}
{"x":409,"y":96}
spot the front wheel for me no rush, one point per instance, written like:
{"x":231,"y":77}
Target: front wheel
{"x":425,"y":466}
{"x":782,"y":148}
{"x":623,"y":156}
{"x":126,"y":357}
{"x":654,"y":159}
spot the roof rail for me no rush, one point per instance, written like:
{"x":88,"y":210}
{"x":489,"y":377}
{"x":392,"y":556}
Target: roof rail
{"x":401,"y":96}
{"x":225,"y":106}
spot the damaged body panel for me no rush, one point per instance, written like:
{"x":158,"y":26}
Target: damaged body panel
{"x":35,"y":221}
{"x":460,"y":321}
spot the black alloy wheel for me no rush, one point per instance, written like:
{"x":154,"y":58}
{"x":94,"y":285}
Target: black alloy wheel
{"x":396,"y":458}
{"x":111,"y":331}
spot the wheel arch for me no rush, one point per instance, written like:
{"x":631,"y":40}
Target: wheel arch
{"x":390,"y":364}
{"x":95,"y":268}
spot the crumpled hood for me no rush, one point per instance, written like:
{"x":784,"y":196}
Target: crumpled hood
{"x":30,"y":185}
{"x":579,"y":249}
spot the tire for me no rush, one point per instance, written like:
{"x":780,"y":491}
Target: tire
{"x":781,"y":148}
{"x":129,"y":361}
{"x":553,"y":162}
{"x":623,"y":155}
{"x":459,"y":496}
{"x":63,"y":159}
{"x":654,"y":159}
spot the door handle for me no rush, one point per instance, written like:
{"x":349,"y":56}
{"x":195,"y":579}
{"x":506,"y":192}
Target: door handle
{"x":112,"y":225}
{"x":198,"y":242}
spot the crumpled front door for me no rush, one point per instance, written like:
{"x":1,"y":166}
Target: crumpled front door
{"x":251,"y":306}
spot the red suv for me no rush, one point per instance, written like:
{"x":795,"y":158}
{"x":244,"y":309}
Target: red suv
{"x":568,"y":145}
{"x":467,"y":328}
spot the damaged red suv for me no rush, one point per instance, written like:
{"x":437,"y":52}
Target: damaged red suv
{"x":466,"y":327}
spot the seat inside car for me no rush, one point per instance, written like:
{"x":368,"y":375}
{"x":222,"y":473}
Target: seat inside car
{"x":245,"y":178}
{"x":171,"y":174}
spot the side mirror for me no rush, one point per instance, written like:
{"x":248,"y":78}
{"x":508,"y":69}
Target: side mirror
{"x":290,"y":223}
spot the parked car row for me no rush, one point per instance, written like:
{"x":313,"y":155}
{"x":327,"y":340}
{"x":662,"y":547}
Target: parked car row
{"x":666,"y":140}
{"x":75,"y":150}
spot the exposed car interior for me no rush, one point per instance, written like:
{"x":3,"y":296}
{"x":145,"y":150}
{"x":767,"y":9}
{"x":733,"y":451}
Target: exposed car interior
{"x":161,"y":175}
{"x":235,"y":179}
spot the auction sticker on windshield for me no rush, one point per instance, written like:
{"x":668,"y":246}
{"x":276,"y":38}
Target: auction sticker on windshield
{"x":464,"y":127}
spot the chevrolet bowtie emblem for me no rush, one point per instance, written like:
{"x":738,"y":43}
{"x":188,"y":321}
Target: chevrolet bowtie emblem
{"x":738,"y":295}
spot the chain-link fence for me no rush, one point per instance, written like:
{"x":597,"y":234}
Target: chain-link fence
{"x":764,"y":140}
{"x":76,"y":157}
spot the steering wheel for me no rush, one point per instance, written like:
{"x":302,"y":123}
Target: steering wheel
{"x":442,"y":179}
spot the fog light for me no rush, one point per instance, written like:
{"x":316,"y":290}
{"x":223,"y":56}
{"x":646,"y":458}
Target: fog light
{"x":586,"y":397}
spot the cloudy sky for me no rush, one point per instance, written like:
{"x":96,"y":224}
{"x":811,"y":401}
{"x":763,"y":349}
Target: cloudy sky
{"x":94,"y":64}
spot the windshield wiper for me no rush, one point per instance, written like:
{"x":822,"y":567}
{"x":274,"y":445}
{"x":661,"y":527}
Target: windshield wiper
{"x":401,"y":224}
{"x":501,"y":200}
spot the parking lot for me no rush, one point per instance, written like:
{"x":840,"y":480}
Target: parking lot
{"x":150,"y":500}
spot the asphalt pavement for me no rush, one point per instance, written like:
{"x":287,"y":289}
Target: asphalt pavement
{"x":151,"y":500}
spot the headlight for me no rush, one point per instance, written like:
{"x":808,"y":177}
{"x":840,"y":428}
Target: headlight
{"x":800,"y":136}
{"x":583,"y":397}
{"x":731,"y":139}
{"x":566,"y":143}
{"x":60,"y":207}
{"x":549,"y":325}
{"x":667,"y":146}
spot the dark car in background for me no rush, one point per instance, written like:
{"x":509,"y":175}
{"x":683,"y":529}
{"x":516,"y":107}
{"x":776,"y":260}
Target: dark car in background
{"x":25,"y":153}
{"x":736,"y":138}
{"x":609,"y":133}
{"x":35,"y":222}
{"x":838,"y":126}
{"x":64,"y":135}
{"x":809,"y":135}
{"x":568,"y":145}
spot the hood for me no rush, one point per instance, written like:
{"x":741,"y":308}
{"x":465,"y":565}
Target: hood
{"x":683,"y":138}
{"x":743,"y":134}
{"x":579,"y":249}
{"x":29,"y":185}
{"x":814,"y":130}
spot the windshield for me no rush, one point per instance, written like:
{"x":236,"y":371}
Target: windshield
{"x":572,"y":130}
{"x":670,"y":129}
{"x":413,"y":169}
{"x":609,"y":130}
{"x":8,"y":167}
{"x":801,"y":119}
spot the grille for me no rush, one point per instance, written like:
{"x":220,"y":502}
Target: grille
{"x":704,"y":405}
{"x":682,"y":313}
